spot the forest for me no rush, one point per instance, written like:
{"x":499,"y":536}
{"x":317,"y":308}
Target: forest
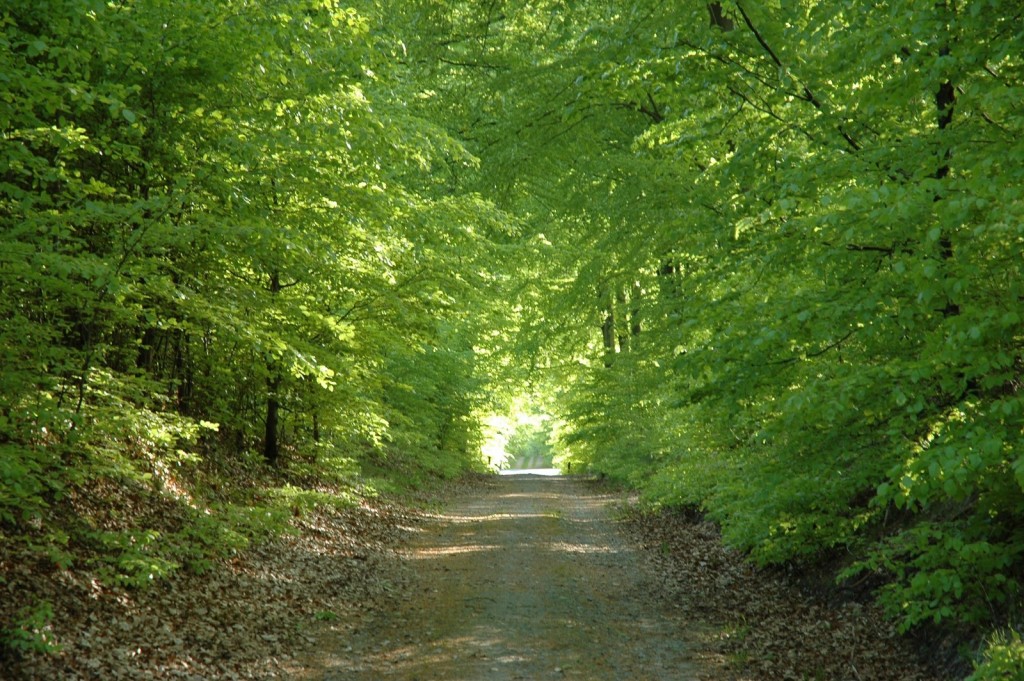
{"x":763,"y":260}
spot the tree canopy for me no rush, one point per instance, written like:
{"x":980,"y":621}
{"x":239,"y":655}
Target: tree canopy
{"x":761,"y":259}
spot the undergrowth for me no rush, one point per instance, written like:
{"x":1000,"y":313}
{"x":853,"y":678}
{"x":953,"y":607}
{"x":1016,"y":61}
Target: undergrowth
{"x":130,"y":528}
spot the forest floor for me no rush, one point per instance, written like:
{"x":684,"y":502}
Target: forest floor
{"x":516,"y":577}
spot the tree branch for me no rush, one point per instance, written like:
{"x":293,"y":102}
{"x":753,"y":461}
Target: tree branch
{"x":807,"y":94}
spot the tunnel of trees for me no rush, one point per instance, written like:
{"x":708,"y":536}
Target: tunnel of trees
{"x":763,"y":259}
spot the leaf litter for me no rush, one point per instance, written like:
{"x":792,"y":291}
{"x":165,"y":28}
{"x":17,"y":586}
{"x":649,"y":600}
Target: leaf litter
{"x":767,"y":627}
{"x":244,"y":618}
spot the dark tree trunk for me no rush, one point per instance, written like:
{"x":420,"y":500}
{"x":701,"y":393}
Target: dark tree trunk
{"x":634,"y":314}
{"x":148,"y":349}
{"x":718,"y":17}
{"x":608,"y":329}
{"x":669,"y":274}
{"x":183,"y":371}
{"x":271,"y":449}
{"x":945,"y":100}
{"x":620,"y":299}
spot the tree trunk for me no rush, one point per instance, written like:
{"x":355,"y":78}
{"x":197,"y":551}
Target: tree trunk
{"x":634,"y":313}
{"x":620,"y":299}
{"x":669,"y":274}
{"x":270,"y":443}
{"x":718,"y":17}
{"x":945,"y":100}
{"x":608,"y":329}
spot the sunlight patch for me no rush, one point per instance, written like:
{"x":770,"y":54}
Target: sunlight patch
{"x":531,"y":471}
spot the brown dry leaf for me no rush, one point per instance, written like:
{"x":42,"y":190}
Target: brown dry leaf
{"x":770,"y":630}
{"x":239,"y":620}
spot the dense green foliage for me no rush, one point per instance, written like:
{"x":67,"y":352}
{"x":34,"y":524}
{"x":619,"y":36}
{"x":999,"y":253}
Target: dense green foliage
{"x":225,"y":240}
{"x":766,"y":258}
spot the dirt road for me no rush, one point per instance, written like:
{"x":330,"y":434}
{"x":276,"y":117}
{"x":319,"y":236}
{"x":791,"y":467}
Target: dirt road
{"x":529,"y":579}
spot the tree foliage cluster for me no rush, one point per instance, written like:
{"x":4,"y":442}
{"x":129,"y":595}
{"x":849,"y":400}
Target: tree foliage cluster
{"x":227,"y":239}
{"x":782,"y":272}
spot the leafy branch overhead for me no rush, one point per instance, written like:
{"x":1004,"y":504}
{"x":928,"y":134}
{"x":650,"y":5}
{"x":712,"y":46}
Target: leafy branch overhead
{"x":758,"y":258}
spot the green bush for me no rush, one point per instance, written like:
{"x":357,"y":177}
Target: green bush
{"x":943,"y":571}
{"x":1002,"y":658}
